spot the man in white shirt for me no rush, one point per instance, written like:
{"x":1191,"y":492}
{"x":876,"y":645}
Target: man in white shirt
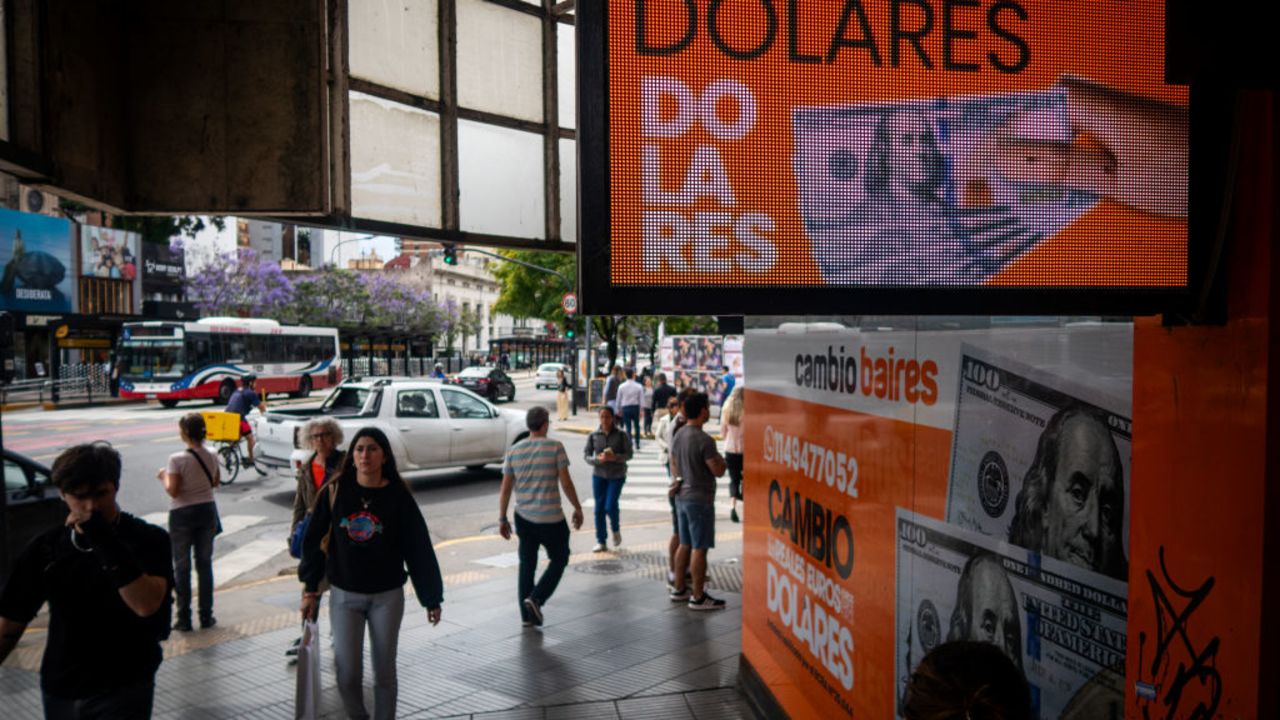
{"x":630,"y":397}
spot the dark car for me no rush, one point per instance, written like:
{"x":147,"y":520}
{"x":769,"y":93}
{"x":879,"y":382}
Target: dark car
{"x":488,"y":382}
{"x":32,"y":506}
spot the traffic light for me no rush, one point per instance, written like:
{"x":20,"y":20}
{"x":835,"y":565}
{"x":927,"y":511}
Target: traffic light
{"x":450,"y":255}
{"x":570,"y":327}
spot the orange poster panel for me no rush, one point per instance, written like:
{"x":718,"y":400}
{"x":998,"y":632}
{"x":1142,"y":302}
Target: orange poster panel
{"x":819,"y":544}
{"x":884,"y":143}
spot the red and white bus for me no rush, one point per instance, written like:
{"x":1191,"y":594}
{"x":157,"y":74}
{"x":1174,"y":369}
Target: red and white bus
{"x":174,"y":361}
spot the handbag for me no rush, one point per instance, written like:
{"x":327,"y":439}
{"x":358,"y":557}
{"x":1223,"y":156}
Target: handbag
{"x":300,"y":531}
{"x":307,"y":697}
{"x":217,"y":519}
{"x":295,"y":538}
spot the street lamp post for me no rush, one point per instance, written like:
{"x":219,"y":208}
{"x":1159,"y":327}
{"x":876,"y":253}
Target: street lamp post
{"x":333,"y":251}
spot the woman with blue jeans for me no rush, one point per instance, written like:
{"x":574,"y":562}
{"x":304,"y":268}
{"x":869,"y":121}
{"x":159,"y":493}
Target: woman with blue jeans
{"x":189,"y":479}
{"x":607,"y":452}
{"x":365,"y":530}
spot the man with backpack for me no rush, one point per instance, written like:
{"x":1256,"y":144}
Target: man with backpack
{"x":242,"y":401}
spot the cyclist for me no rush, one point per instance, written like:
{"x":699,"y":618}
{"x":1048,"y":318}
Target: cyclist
{"x":242,"y":401}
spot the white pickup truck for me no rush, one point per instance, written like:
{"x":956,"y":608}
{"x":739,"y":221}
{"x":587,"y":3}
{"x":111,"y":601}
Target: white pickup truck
{"x":430,"y":425}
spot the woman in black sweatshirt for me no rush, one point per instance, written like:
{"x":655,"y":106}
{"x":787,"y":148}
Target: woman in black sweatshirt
{"x":365,"y":531}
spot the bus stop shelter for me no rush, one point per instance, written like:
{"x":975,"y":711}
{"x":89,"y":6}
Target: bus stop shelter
{"x":527,"y":352}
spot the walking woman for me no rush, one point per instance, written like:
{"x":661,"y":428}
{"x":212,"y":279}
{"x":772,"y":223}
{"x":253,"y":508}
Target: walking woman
{"x":562,"y":396}
{"x":322,"y":436}
{"x":366,"y":529}
{"x":190,"y":478}
{"x":607,"y":452}
{"x":731,"y":428}
{"x":646,"y":407}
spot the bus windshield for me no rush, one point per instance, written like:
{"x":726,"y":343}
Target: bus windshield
{"x":151,"y":358}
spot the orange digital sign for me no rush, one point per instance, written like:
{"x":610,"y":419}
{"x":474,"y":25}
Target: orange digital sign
{"x":951,"y":145}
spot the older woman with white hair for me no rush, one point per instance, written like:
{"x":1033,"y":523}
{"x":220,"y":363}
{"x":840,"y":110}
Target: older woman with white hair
{"x":322,"y":436}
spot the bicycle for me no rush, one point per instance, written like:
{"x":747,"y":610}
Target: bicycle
{"x":224,"y":429}
{"x":231,"y":457}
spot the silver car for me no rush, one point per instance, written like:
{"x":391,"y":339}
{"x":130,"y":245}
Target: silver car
{"x":546,"y":375}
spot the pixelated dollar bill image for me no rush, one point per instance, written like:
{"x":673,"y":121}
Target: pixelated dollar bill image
{"x":910,"y":193}
{"x":1041,"y":462}
{"x":1063,"y":626}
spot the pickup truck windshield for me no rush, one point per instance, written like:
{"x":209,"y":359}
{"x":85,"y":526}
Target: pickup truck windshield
{"x":353,"y":401}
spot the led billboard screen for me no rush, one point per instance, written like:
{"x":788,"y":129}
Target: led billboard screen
{"x":770,"y":155}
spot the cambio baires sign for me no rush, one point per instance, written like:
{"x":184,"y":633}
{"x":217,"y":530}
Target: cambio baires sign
{"x":913,"y":488}
{"x":885,"y":144}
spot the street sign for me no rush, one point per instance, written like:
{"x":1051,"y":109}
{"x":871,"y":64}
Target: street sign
{"x":570,"y":303}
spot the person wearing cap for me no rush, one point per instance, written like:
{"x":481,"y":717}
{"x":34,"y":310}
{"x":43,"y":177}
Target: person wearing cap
{"x":107,"y":577}
{"x":438,"y":373}
{"x":242,"y":401}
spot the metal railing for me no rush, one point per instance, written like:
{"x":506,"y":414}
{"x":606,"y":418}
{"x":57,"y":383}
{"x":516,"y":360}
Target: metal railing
{"x":79,"y":383}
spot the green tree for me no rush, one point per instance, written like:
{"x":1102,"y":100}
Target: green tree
{"x":611,"y":329}
{"x":528,"y":293}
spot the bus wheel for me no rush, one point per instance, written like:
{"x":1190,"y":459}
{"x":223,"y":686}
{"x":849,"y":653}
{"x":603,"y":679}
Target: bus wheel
{"x":169,"y":403}
{"x":224,"y":393}
{"x":304,"y":387}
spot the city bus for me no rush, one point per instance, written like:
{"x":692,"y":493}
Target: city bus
{"x":175,"y":361}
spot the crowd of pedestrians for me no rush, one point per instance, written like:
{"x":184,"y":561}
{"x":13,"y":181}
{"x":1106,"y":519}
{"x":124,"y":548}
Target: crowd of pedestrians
{"x":111,"y":579}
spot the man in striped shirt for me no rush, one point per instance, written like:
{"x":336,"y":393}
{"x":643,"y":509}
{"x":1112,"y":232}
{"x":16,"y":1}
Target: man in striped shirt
{"x":536,"y":469}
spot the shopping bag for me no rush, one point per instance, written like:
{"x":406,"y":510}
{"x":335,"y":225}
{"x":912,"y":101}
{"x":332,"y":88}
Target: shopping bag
{"x":307,"y":704}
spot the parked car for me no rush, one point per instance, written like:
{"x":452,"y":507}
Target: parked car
{"x":546,"y":375}
{"x":430,"y":424}
{"x":32,"y":505}
{"x":489,"y":382}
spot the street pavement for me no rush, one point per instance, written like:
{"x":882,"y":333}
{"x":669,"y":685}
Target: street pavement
{"x":257,"y":593}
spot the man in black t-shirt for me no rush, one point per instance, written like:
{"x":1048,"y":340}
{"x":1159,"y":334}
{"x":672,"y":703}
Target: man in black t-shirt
{"x":108,"y":579}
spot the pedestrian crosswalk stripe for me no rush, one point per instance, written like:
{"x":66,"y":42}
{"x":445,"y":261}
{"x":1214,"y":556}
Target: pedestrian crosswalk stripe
{"x":646,"y":487}
{"x":242,"y":559}
{"x":230,"y":523}
{"x":245,"y":558}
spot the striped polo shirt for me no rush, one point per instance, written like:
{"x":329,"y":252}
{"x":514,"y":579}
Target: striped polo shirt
{"x":535,"y":463}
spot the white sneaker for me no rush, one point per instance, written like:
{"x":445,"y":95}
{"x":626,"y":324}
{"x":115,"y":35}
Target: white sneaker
{"x":600,"y":547}
{"x":617,"y":539}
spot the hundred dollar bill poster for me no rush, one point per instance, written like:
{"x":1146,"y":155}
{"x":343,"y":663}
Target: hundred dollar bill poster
{"x":878,"y":144}
{"x":1041,"y":462}
{"x":863,"y":445}
{"x":1064,"y":627}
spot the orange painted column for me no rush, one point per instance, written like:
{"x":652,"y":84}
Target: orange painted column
{"x":1202,"y":631}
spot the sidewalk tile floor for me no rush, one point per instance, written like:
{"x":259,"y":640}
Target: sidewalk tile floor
{"x":612,"y":647}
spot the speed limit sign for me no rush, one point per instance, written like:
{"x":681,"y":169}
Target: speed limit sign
{"x":569,"y":303}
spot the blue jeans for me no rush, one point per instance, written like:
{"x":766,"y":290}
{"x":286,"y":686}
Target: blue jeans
{"x":349,"y":613}
{"x":631,"y":423}
{"x":555,"y":538}
{"x":606,"y":492}
{"x":130,"y":702}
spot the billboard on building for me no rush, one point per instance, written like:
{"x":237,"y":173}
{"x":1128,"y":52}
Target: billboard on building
{"x":880,"y":155}
{"x":907,"y":487}
{"x":163,"y":269}
{"x":108,"y":253}
{"x":35,"y":262}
